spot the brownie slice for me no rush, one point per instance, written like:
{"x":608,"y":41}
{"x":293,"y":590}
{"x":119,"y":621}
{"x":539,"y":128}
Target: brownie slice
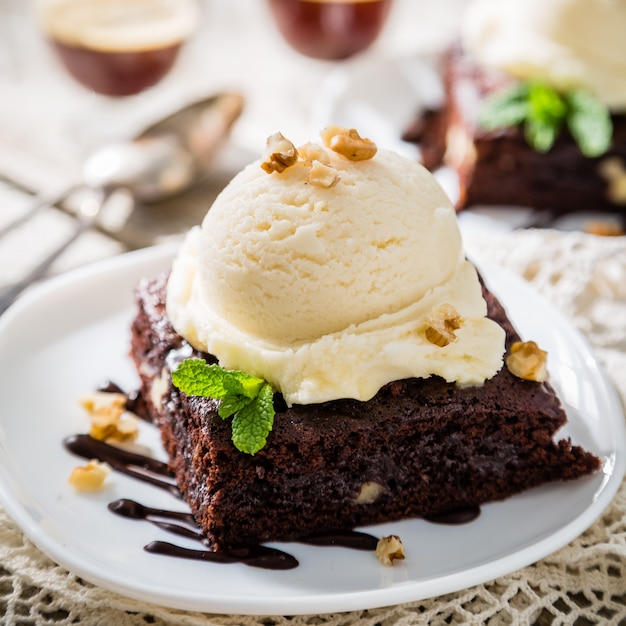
{"x":498,"y":167}
{"x":419,"y":447}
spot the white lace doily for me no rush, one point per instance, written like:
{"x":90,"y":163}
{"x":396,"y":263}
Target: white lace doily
{"x":581,"y":584}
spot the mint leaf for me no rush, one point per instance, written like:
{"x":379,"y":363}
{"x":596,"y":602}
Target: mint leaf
{"x":546,"y":114}
{"x":231,"y":404}
{"x":508,"y":107}
{"x":252,"y":424}
{"x":238,"y":383}
{"x":590,"y":123}
{"x":250,"y":400}
{"x":545,"y":104}
{"x":196,"y":377}
{"x":542,"y":112}
{"x":540,"y":135}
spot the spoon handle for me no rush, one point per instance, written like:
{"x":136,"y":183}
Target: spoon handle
{"x":39,"y":204}
{"x":9,"y":293}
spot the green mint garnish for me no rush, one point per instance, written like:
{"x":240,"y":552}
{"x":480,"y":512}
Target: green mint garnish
{"x":250,"y":400}
{"x":253,"y":422}
{"x":589,"y":122}
{"x":543,"y":111}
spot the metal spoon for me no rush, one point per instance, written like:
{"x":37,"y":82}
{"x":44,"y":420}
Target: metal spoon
{"x":169,"y":156}
{"x":165,"y":159}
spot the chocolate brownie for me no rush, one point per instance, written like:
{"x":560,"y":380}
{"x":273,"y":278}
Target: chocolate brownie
{"x":418,"y":448}
{"x":498,"y":167}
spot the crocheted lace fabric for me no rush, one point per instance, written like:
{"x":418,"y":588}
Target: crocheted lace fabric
{"x":583,"y":583}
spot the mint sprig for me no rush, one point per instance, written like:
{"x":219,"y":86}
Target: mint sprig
{"x":250,"y":400}
{"x":544,"y":111}
{"x":590,"y":123}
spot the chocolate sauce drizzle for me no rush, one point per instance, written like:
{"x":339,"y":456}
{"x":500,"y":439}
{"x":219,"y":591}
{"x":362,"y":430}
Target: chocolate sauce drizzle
{"x":134,"y":400}
{"x":345,"y":538}
{"x":458,"y":516}
{"x":255,"y":556}
{"x":133,"y":510}
{"x":157,"y":473}
{"x":138,"y":466}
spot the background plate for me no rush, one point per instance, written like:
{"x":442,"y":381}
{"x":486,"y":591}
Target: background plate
{"x":66,"y":337}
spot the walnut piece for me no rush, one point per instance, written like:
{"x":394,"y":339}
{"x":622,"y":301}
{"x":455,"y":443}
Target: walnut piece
{"x":442,"y":322}
{"x":110,"y":421}
{"x":390,"y":549}
{"x":159,"y":388}
{"x":279,"y":154}
{"x":348,"y":143}
{"x":526,"y":360}
{"x":103,"y":401}
{"x":614,"y":172}
{"x":322,"y":175}
{"x":370,"y":492}
{"x":604,"y":228}
{"x":310,"y":152}
{"x":89,"y":477}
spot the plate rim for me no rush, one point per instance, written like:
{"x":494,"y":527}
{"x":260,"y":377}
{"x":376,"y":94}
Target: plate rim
{"x":291,"y":605}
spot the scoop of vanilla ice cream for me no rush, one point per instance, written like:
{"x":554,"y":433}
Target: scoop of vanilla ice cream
{"x":325,"y":292}
{"x":567,"y":43}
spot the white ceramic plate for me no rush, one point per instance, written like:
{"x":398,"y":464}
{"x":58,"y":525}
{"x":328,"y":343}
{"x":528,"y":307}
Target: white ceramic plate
{"x":65,"y":337}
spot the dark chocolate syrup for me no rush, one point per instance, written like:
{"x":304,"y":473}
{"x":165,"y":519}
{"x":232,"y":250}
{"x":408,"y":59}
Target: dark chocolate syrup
{"x":144,"y":468}
{"x":134,"y":510}
{"x":344,"y":538}
{"x":157,"y":473}
{"x":254,"y":556}
{"x":458,"y":516}
{"x":130,"y":463}
{"x":134,"y":400}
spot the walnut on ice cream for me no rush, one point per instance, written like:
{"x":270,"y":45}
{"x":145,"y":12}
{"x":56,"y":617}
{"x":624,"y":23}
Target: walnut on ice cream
{"x":279,"y":154}
{"x":322,"y":175}
{"x":348,"y":143}
{"x":443,"y":321}
{"x":526,"y":360}
{"x":311,"y":151}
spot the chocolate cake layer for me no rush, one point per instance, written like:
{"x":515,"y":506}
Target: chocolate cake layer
{"x":417,"y":448}
{"x":498,"y":167}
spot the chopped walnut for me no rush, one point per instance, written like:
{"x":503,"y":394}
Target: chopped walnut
{"x":348,"y":143}
{"x":279,"y":154}
{"x":390,"y":549}
{"x":613,"y":171}
{"x":370,"y":492}
{"x":310,"y":152}
{"x":442,"y":322}
{"x":110,"y":421}
{"x":329,"y":132}
{"x":89,"y":477}
{"x":526,"y":360}
{"x":103,"y":401}
{"x":123,"y":429}
{"x":160,"y":387}
{"x":322,"y":175}
{"x":604,"y":228}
